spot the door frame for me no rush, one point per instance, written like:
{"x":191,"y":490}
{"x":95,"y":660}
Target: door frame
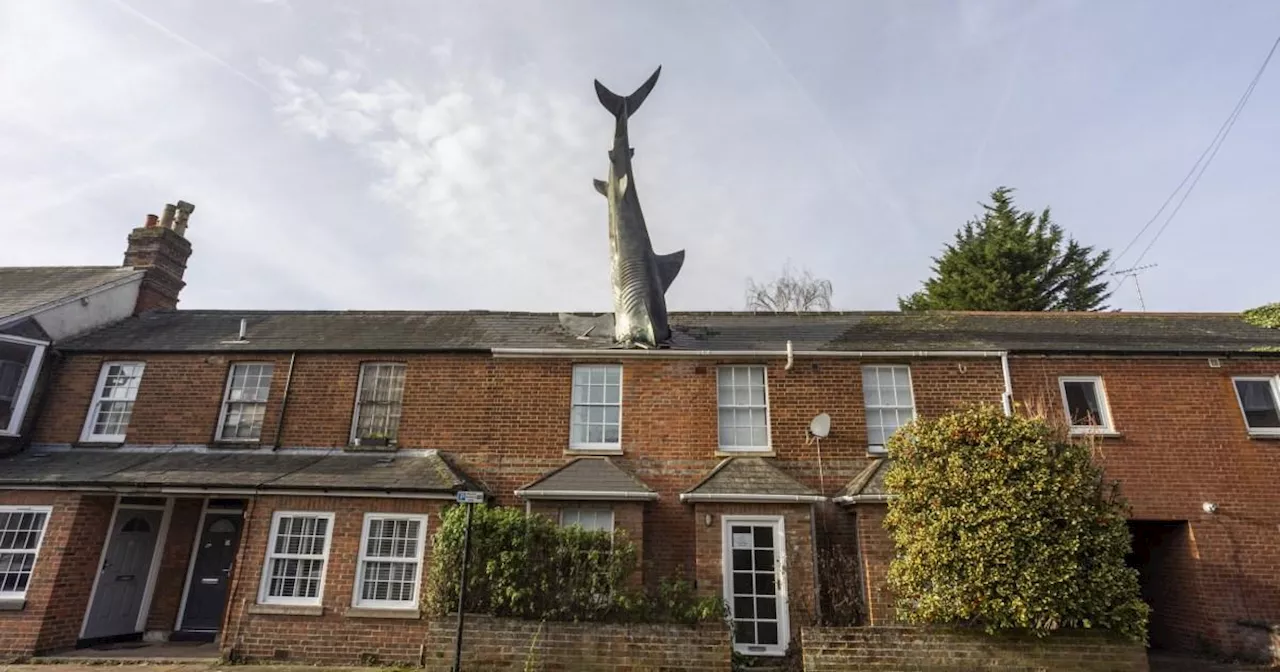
{"x":205,"y":510}
{"x":727,"y":521}
{"x":153,"y":571}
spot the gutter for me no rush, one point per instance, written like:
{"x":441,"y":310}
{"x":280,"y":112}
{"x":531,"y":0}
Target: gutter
{"x":232,"y":490}
{"x":862,"y":499}
{"x":598,"y":495}
{"x":749,"y":498}
{"x":617,"y":353}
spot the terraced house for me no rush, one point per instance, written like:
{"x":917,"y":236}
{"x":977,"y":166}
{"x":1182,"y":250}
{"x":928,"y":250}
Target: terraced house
{"x":253,"y":477}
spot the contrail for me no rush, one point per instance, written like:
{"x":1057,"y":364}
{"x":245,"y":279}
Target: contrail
{"x":192,"y":45}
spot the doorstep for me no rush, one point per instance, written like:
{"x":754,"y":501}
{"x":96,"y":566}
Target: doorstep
{"x":155,"y":653}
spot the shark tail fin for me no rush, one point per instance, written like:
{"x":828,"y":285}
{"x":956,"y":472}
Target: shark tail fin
{"x":620,"y":106}
{"x":669,"y":266}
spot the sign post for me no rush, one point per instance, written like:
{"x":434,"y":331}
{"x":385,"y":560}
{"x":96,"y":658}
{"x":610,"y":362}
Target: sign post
{"x":470,"y":498}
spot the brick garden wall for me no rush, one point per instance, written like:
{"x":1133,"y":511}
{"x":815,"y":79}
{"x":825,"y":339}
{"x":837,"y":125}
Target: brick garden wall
{"x":505,"y":644}
{"x":955,"y":650}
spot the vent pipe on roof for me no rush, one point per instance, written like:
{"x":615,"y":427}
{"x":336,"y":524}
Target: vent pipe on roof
{"x":244,"y":329}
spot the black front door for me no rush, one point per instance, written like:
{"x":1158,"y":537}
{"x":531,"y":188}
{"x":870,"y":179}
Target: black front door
{"x":211,"y":573}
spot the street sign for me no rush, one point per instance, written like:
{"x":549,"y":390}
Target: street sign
{"x":470,"y":497}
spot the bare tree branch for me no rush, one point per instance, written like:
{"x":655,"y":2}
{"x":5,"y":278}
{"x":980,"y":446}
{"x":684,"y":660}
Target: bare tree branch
{"x":791,"y":292}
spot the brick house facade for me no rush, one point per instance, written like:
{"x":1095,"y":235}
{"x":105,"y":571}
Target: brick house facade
{"x":269,"y":460}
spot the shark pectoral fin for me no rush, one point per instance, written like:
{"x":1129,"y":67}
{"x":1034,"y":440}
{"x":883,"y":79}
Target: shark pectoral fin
{"x":601,"y":187}
{"x":669,"y":267}
{"x":622,"y":186}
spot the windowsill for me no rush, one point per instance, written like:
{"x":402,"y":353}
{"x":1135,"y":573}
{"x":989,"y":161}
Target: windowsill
{"x":1265,"y":436}
{"x":98,"y":443}
{"x":1100,"y":433}
{"x":366,"y":448}
{"x":13,"y":604}
{"x":594,"y":450}
{"x":237,"y":444}
{"x":383,"y":612}
{"x":287,"y":609}
{"x":746,"y":452}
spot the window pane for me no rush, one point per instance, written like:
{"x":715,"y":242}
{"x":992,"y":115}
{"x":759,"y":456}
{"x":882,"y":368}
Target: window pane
{"x":1082,"y":403}
{"x":1259,"y":404}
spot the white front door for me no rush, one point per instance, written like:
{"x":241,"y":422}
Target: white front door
{"x":755,"y":585}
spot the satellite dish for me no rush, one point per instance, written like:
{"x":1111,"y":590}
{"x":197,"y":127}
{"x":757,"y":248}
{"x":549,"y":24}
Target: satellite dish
{"x":820,"y":426}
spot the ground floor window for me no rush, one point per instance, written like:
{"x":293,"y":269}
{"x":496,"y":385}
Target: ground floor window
{"x":21,"y":531}
{"x":591,"y":519}
{"x":296,"y":555}
{"x":390,"y":560}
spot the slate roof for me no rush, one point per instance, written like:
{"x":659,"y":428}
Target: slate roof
{"x":481,"y":331}
{"x":868,"y":485}
{"x":27,"y":288}
{"x":325,"y":471}
{"x":747,"y":479}
{"x":588,"y":478}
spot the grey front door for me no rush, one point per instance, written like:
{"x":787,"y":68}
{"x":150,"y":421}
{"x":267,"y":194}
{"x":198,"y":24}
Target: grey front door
{"x":207,"y":594}
{"x":122,"y":579}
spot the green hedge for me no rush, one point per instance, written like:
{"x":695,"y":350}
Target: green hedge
{"x":528,"y":566}
{"x":1006,"y":523}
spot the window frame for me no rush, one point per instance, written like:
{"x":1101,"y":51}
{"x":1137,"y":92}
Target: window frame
{"x":596,"y":510}
{"x":90,"y":419}
{"x":354,"y":438}
{"x":27,"y":387}
{"x":1106,"y":425}
{"x":226,"y":403}
{"x":362,"y":557}
{"x":609,"y":447}
{"x":768,"y":419}
{"x":1274,"y":382}
{"x":264,"y":582}
{"x":911,"y":389}
{"x":35,"y":553}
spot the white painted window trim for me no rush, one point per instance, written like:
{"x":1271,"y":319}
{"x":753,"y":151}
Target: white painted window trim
{"x":358,"y":586}
{"x":1106,"y":425}
{"x":874,"y":449}
{"x":595,"y":510}
{"x":355,"y":413}
{"x":226,"y":403}
{"x":35,"y":553}
{"x":768,"y":420}
{"x":28,"y":385}
{"x":1275,"y":399}
{"x":90,"y":418}
{"x":603,"y":446}
{"x":780,"y":579}
{"x":265,"y":582}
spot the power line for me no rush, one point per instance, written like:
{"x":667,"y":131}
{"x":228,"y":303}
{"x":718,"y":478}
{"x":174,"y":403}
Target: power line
{"x":1197,"y":169}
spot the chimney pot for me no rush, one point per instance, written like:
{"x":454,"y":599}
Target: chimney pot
{"x":167,"y":221}
{"x":152,"y":221}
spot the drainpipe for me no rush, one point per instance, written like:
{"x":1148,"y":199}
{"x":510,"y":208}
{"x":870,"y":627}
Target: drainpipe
{"x":1006,"y":399}
{"x":284,"y":400}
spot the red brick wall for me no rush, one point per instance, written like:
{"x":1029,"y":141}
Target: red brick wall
{"x":58,"y":592}
{"x":877,"y":552}
{"x":335,"y":635}
{"x":171,"y":579}
{"x":517,"y":646}
{"x":956,"y":650}
{"x":1184,"y":443}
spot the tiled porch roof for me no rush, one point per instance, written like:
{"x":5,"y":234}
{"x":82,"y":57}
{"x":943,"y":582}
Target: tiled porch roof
{"x":423,"y":473}
{"x":750,"y":479}
{"x":867,"y":486}
{"x":588,"y":478}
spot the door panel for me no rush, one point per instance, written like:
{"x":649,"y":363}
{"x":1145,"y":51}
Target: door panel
{"x":122,"y":579}
{"x":211,"y":573}
{"x":753,"y":586}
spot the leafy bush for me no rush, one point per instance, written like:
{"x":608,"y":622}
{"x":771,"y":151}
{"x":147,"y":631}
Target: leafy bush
{"x":1005,"y":523}
{"x":530,"y":567}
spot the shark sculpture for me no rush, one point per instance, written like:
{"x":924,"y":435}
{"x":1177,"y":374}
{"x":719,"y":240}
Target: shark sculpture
{"x":640,"y":277}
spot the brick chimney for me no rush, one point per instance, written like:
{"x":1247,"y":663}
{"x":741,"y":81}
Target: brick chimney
{"x":160,"y":248}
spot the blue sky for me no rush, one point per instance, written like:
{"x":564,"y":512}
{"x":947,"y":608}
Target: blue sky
{"x":439,"y":155}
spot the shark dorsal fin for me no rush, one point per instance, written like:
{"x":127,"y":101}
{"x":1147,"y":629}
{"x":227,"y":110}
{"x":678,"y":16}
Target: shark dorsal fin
{"x":669,"y":267}
{"x":601,"y":187}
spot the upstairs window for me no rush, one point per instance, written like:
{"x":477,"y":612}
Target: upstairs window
{"x":1258,"y":401}
{"x":890,"y":403}
{"x":112,"y":405}
{"x":591,"y":519}
{"x":379,"y":398}
{"x":597,"y":406}
{"x":296,"y":558}
{"x":1085,"y":402}
{"x":245,"y":403}
{"x":19,"y":363}
{"x":21,"y":531}
{"x":743,"y":400}
{"x":391,"y":561}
